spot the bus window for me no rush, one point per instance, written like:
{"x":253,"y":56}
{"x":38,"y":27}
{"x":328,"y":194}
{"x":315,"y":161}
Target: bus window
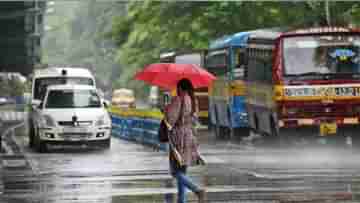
{"x":216,"y":62}
{"x":259,"y":65}
{"x":239,"y":63}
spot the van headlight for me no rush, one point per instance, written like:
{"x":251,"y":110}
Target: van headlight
{"x":103,"y":120}
{"x":47,"y":121}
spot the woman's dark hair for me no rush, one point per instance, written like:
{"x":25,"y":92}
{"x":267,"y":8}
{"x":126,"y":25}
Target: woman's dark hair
{"x":186,"y":86}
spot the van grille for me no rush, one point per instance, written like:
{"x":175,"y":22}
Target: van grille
{"x":75,"y":135}
{"x":70,"y":123}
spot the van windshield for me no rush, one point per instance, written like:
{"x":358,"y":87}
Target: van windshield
{"x":42,"y":83}
{"x":73,"y":99}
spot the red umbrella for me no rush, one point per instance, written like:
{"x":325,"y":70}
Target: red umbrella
{"x":166,"y":75}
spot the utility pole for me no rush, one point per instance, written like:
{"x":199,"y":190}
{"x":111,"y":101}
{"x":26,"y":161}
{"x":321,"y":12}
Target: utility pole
{"x":327,"y":12}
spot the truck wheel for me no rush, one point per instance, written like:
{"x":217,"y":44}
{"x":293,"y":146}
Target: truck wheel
{"x":355,"y":141}
{"x":282,"y":139}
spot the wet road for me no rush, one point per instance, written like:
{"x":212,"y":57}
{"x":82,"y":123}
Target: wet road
{"x":133,"y":173}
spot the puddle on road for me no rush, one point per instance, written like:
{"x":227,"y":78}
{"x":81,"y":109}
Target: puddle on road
{"x":245,"y":188}
{"x":83,"y":178}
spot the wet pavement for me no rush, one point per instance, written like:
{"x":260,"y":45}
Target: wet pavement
{"x":128,"y":172}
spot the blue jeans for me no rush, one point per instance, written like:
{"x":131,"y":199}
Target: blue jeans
{"x":183,"y":182}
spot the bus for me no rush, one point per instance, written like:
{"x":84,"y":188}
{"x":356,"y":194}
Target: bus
{"x":225,"y":59}
{"x":304,"y":82}
{"x":201,"y":94}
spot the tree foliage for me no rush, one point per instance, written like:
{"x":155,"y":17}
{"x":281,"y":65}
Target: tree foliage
{"x":78,"y":37}
{"x":120,"y":38}
{"x":152,"y":27}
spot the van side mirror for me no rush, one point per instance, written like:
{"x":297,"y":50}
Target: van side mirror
{"x":106,"y":103}
{"x":36,"y":103}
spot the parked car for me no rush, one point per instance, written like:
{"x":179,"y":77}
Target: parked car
{"x":70,"y":114}
{"x":6,"y":100}
{"x":3,"y":100}
{"x":124,"y":98}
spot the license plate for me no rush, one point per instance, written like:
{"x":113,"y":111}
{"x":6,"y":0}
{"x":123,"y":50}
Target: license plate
{"x":328,"y":129}
{"x":74,"y":137}
{"x":75,"y":130}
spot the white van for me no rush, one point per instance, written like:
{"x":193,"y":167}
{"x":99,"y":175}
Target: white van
{"x":56,"y":76}
{"x":43,"y":78}
{"x":71,"y":114}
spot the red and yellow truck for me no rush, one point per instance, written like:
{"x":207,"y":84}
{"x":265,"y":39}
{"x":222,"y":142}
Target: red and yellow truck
{"x":304,"y":82}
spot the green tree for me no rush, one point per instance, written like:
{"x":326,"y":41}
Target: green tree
{"x":17,"y":87}
{"x":4,"y":88}
{"x":151,"y":27}
{"x":80,"y":37}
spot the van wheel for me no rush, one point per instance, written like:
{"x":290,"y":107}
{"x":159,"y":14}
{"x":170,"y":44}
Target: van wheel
{"x":41,"y":146}
{"x":31,"y":135}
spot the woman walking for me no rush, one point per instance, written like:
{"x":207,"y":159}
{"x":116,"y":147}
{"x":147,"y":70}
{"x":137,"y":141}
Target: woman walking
{"x":179,"y":114}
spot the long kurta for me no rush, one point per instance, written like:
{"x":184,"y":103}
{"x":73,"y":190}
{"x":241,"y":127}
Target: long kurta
{"x":182,"y":136}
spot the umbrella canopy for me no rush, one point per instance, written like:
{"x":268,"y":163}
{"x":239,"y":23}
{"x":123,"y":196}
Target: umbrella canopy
{"x":166,"y":75}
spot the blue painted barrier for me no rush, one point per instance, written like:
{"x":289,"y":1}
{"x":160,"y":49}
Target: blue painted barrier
{"x":140,"y":130}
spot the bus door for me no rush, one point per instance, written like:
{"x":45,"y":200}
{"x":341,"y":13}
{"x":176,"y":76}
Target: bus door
{"x":237,"y":88}
{"x":217,"y":64}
